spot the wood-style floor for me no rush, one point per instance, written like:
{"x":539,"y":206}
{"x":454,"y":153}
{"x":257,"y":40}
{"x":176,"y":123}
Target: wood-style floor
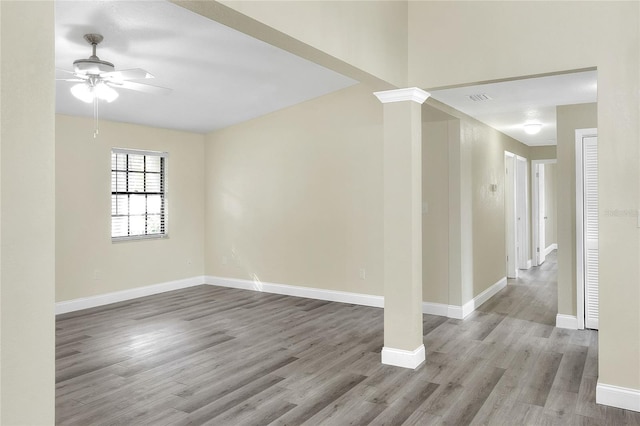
{"x":212,"y":355}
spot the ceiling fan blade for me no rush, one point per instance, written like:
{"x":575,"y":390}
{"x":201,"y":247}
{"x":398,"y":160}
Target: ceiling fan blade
{"x":76,"y":77}
{"x":140,"y":87}
{"x":63,"y":70}
{"x":132,"y":74}
{"x":78,"y":80}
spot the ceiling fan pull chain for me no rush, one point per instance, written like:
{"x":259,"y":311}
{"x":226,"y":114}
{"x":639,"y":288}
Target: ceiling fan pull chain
{"x":95,"y":116}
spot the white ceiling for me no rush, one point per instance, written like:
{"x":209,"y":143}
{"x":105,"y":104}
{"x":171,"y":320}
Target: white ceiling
{"x":516,"y":102}
{"x":219,"y":76}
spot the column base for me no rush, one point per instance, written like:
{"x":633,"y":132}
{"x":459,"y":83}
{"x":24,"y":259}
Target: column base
{"x":403,"y":358}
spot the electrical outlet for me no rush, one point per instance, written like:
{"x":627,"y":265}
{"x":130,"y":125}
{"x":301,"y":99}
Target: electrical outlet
{"x":225,"y":260}
{"x":363,"y":274}
{"x":189,"y":262}
{"x":97,"y":274}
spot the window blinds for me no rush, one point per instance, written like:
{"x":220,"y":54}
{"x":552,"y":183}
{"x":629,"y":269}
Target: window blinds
{"x":138,"y":194}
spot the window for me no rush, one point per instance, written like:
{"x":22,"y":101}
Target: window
{"x":138,"y":194}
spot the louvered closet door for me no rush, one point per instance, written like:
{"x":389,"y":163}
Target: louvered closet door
{"x":590,"y":169}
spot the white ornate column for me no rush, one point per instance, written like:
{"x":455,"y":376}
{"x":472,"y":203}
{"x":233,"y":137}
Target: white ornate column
{"x":403,"y":345}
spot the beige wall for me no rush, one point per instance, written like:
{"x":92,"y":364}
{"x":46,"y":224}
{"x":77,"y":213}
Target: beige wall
{"x":488,"y":255}
{"x":87,"y":262}
{"x":295,"y":197}
{"x":550,"y":205}
{"x":435,"y":212}
{"x":370,"y":35}
{"x":451,"y":44}
{"x":559,"y":36}
{"x":27,"y":269}
{"x":476,"y":215}
{"x":546,"y":152}
{"x":605,"y":36}
{"x":569,"y":118}
{"x":454,"y":35}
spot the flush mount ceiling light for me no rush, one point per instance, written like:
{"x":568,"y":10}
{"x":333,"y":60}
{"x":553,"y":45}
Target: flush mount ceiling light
{"x":532,"y":128}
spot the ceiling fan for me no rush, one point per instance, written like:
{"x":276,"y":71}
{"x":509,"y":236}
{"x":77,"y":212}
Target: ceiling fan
{"x":97,"y":78}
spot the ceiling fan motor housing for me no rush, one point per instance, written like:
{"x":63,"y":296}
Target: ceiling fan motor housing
{"x":93,"y":66}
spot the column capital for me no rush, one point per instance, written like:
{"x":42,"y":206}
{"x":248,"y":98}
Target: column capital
{"x":414,"y":94}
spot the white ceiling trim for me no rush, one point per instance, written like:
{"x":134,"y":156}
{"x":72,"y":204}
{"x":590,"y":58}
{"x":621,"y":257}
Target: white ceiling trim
{"x":414,"y":94}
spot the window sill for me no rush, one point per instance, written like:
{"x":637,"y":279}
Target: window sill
{"x":139,"y":238}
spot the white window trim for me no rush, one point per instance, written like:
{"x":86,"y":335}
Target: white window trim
{"x":162,"y":154}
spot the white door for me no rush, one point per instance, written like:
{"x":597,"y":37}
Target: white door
{"x":522,"y":254}
{"x":510,"y":213}
{"x":542,"y":215}
{"x":590,"y":226}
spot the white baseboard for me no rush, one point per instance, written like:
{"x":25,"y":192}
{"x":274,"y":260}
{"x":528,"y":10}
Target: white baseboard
{"x":567,"y":321}
{"x":550,"y":248}
{"x":290,"y":290}
{"x":616,"y":396}
{"x":439,"y":309}
{"x":461,"y":312}
{"x":120,"y":296}
{"x":403,"y":358}
{"x":456,"y":312}
{"x":477,"y":301}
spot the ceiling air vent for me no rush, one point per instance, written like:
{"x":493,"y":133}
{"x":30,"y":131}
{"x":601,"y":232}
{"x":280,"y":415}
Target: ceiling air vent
{"x":479,"y":98}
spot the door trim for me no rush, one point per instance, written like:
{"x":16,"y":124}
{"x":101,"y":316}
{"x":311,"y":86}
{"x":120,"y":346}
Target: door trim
{"x":580,"y":135}
{"x":534,"y":208}
{"x":510,"y":215}
{"x":522,"y":210}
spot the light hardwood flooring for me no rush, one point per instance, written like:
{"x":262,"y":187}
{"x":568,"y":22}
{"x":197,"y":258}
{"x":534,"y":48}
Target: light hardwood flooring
{"x":219,"y":356}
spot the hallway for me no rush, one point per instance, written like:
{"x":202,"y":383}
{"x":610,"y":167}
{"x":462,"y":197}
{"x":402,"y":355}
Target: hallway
{"x":545,"y":375}
{"x":212,"y":355}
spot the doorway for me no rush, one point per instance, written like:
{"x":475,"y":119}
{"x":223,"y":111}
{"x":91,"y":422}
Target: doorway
{"x":543,"y":209}
{"x":516,"y":214}
{"x":587,"y":228}
{"x":522,"y":213}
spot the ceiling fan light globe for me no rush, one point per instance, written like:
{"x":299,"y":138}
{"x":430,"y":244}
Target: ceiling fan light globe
{"x":105,"y":92}
{"x":83,"y":92}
